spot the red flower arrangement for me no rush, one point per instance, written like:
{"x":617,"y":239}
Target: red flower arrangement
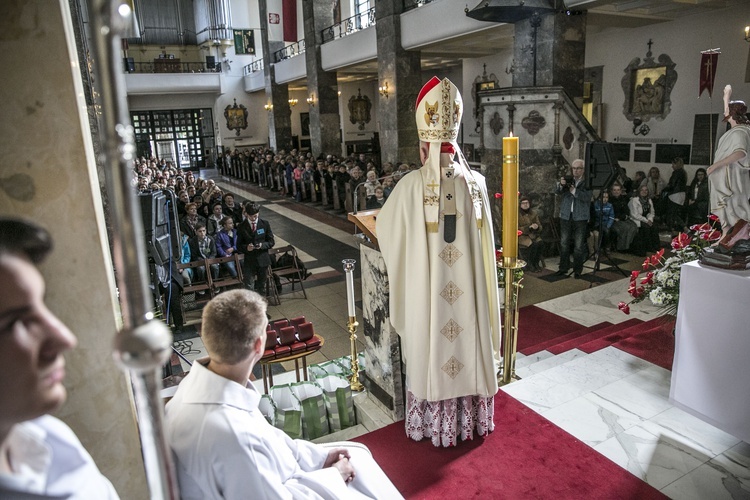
{"x":661,"y":283}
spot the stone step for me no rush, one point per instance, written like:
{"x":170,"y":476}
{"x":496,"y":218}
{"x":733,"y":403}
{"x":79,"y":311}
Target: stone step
{"x":531,"y":358}
{"x":547,"y":363}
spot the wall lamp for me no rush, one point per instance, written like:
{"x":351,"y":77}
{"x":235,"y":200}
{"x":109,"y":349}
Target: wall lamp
{"x":747,"y":33}
{"x":384,"y":90}
{"x":311,"y":100}
{"x":268,"y":106}
{"x":293,"y":102}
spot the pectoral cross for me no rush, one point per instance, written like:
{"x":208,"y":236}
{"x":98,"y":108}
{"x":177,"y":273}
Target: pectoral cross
{"x":433,"y":186}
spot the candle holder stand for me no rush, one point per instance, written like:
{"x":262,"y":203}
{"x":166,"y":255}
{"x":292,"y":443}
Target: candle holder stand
{"x":510,"y":319}
{"x":354,"y":382}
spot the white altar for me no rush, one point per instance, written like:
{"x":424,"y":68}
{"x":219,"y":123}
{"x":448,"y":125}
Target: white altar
{"x":711,"y":371}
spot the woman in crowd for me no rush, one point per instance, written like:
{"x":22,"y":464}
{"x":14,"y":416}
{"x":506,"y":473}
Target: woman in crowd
{"x":371,"y":183}
{"x":655,"y":184}
{"x":530,"y":241}
{"x":642,"y":215}
{"x":698,"y":196}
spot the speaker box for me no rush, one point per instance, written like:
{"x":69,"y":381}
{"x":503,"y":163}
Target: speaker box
{"x":161,"y":226}
{"x":210,"y":63}
{"x":602,"y":168}
{"x":129,"y":64}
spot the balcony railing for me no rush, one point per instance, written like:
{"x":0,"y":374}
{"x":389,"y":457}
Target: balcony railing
{"x":254,"y":66}
{"x":349,"y":26}
{"x":170,"y":66}
{"x":413,"y":4}
{"x":292,"y":50}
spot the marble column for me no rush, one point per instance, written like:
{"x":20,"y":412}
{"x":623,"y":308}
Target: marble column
{"x":401,"y":70}
{"x":560,"y":52}
{"x":49,"y":175}
{"x":382,"y":377}
{"x":280,"y":117}
{"x":322,"y":86}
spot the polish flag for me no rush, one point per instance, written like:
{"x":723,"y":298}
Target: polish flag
{"x":282,"y":20}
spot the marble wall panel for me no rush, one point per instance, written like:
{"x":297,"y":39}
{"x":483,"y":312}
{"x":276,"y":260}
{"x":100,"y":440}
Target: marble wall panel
{"x":382,"y":346}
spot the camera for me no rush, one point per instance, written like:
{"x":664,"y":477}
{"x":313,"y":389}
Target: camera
{"x":569,"y":181}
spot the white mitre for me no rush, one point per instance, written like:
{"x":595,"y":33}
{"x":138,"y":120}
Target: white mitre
{"x":438,"y":113}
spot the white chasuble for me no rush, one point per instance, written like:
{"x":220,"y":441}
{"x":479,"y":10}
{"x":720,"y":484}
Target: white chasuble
{"x":444,"y":306}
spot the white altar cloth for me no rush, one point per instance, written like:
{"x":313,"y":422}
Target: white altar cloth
{"x":711,"y":370}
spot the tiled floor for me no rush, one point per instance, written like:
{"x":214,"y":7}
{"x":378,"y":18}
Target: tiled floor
{"x":614,"y":402}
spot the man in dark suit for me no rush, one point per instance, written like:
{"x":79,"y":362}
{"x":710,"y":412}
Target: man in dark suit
{"x":575,"y":210}
{"x":254,"y":239}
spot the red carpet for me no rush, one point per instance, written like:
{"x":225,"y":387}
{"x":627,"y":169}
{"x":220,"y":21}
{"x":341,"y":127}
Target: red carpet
{"x":535,"y":325}
{"x":655,"y":344}
{"x":590,"y":337}
{"x":525,"y":457}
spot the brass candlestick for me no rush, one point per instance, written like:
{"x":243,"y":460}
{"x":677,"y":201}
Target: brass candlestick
{"x":510,"y":319}
{"x":354,"y":382}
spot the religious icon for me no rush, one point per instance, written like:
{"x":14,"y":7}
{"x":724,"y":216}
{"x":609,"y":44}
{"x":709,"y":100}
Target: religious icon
{"x":236,"y":117}
{"x":359,"y":109}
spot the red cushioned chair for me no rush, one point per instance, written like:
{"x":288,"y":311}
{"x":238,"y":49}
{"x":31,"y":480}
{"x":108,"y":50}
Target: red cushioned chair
{"x":307,"y":335}
{"x":288,"y":337}
{"x":279,"y":324}
{"x":271,"y":342}
{"x":295,"y":322}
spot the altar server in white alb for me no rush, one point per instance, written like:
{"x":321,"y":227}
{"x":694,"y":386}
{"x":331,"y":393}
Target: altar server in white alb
{"x":40,"y":456}
{"x":223,"y":446}
{"x":435,"y":234}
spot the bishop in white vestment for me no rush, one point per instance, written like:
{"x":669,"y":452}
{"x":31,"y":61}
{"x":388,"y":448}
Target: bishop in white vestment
{"x":435,"y":234}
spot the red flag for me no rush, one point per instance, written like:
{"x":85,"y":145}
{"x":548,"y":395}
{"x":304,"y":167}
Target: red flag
{"x":709,"y":61}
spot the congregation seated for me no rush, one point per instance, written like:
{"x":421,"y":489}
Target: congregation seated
{"x":530,"y":242}
{"x":225,"y":448}
{"x":655,"y":184}
{"x":190,"y":222}
{"x":603,"y":218}
{"x":377,"y":199}
{"x":642,"y":216}
{"x":697,"y":199}
{"x":213,"y":223}
{"x":622,"y":231}
{"x":226,"y":244}
{"x":202,"y":246}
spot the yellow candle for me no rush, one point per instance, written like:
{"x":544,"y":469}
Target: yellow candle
{"x":510,"y":197}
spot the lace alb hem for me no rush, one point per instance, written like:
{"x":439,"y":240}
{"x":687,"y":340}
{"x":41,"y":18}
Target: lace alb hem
{"x":448,"y":421}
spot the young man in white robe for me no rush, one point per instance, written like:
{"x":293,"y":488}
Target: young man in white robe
{"x":40,"y":456}
{"x":435,"y":234}
{"x":223,"y":446}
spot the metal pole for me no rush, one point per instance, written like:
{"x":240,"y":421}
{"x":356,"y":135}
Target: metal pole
{"x":143,"y":344}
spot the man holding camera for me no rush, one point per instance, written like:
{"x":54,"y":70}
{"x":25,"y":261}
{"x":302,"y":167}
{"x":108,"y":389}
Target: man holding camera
{"x":575,"y":210}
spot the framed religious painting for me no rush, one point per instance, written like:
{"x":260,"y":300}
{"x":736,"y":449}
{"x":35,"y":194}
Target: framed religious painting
{"x":236,"y":117}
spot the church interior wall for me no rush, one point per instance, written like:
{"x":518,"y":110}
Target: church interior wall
{"x":682,"y":40}
{"x":351,"y":131}
{"x":472,"y":69}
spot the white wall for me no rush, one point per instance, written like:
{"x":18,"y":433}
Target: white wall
{"x":473,"y":68}
{"x":682,"y":40}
